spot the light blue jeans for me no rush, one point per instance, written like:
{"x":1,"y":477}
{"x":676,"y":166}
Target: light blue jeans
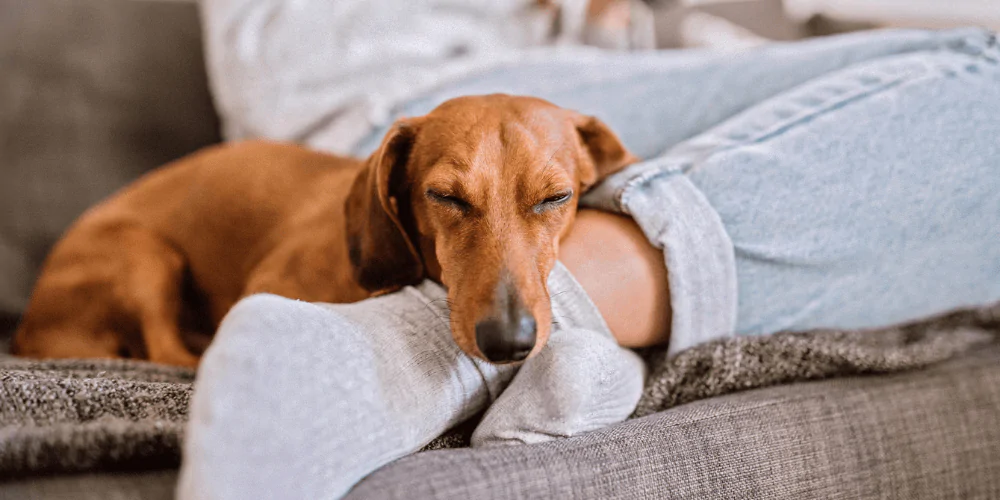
{"x":850,"y":182}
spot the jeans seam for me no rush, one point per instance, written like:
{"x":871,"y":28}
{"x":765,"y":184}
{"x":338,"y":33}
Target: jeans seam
{"x":623,"y":193}
{"x":780,"y":128}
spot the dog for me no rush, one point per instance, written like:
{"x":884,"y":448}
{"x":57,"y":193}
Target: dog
{"x":475,"y":195}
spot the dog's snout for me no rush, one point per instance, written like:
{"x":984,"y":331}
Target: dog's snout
{"x":507,"y":340}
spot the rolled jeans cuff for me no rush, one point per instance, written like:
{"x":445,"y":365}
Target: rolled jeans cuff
{"x":677,"y":218}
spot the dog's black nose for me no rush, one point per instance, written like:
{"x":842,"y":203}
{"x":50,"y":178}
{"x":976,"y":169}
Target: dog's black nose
{"x":504,"y":341}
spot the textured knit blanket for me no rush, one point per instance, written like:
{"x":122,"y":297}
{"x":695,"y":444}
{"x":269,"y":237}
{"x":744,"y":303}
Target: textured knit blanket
{"x":84,"y":415}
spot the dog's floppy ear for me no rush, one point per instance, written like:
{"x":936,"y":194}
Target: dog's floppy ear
{"x":382,"y":253}
{"x":602,"y":154}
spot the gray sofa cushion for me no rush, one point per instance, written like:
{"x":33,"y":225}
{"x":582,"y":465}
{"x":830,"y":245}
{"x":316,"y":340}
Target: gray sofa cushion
{"x":932,"y":433}
{"x":92,"y":94}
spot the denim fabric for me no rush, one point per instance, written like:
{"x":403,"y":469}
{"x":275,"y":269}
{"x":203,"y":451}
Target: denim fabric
{"x":867,"y":197}
{"x":656,"y":99}
{"x":850,"y":181}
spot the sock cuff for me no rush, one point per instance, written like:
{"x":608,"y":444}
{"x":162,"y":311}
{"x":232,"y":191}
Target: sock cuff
{"x":571,"y":306}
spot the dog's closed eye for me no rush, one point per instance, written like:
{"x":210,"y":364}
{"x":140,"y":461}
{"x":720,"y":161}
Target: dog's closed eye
{"x":448,"y":199}
{"x":553,"y":201}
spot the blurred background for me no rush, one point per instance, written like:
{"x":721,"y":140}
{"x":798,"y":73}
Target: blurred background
{"x":95,"y":92}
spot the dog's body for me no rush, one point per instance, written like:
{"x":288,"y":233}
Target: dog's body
{"x":466,"y":195}
{"x":234,"y":220}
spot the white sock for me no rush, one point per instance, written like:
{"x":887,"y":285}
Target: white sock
{"x":581,"y":381}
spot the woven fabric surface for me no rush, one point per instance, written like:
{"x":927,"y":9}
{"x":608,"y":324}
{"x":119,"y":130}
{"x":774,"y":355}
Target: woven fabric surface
{"x":87,"y":415}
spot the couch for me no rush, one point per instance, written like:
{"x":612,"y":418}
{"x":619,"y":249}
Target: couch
{"x":96,"y":92}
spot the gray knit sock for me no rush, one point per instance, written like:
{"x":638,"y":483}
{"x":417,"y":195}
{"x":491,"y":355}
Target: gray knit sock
{"x":299,"y":400}
{"x":581,"y":381}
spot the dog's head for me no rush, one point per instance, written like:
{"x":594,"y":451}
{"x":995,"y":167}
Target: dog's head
{"x":477,"y":195}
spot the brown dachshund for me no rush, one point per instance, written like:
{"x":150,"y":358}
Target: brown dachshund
{"x":475,"y":195}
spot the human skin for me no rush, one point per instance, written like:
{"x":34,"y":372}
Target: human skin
{"x":624,"y":275}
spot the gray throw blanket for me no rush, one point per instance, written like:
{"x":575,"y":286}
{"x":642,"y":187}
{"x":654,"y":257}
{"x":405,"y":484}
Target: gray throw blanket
{"x":84,"y":415}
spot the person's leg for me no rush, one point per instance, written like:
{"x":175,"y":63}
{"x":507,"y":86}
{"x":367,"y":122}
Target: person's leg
{"x":866,"y":197}
{"x":654,"y":100}
{"x":622,"y":273}
{"x":301,"y":400}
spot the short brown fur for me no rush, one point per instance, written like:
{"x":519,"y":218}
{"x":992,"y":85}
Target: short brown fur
{"x":193,"y":237}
